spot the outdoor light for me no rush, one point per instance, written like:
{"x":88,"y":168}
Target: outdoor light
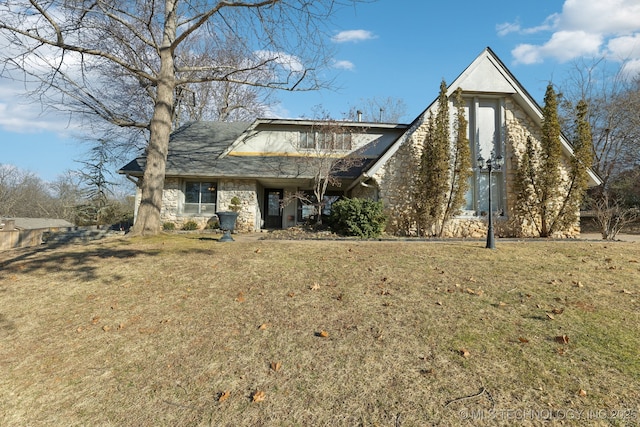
{"x":493,"y":163}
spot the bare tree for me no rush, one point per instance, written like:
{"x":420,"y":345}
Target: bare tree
{"x":613,"y":100}
{"x":158,"y":48}
{"x":378,"y":110}
{"x":326,"y":152}
{"x":24,"y":194}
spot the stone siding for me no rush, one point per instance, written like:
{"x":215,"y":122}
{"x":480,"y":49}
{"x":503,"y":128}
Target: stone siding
{"x":245,"y":190}
{"x":395,"y":180}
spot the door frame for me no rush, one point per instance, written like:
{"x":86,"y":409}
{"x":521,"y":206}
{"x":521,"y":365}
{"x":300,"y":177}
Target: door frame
{"x":272,"y":221}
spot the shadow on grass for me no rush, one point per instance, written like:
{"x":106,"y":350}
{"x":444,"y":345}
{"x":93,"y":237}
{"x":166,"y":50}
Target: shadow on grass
{"x":81,"y":264}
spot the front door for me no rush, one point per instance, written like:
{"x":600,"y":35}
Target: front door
{"x":273,"y":208}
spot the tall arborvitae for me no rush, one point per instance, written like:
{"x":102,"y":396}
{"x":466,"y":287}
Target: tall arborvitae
{"x":460,"y":164}
{"x":421,"y":201}
{"x":544,"y":199}
{"x":434,"y":166}
{"x":578,"y":175}
{"x":550,"y":162}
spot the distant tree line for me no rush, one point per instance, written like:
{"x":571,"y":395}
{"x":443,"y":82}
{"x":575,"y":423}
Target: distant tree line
{"x":72,"y":196}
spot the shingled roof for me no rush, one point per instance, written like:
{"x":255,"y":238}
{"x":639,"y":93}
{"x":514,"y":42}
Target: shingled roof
{"x":197,"y":150}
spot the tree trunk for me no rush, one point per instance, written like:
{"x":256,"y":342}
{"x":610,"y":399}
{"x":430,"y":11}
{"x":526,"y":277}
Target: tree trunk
{"x":148,"y":218}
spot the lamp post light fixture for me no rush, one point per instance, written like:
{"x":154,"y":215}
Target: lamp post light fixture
{"x":493,"y":163}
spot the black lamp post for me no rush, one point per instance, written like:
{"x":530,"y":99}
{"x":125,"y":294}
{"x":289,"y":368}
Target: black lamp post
{"x":494,"y":163}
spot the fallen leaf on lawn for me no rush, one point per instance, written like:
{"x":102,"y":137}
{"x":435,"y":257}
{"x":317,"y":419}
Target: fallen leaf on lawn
{"x":106,"y":328}
{"x":549,"y":316}
{"x":577,"y":284}
{"x":258,"y":250}
{"x":523,"y":340}
{"x":240,"y":297}
{"x":464,"y":352}
{"x":258,"y":396}
{"x":95,"y":320}
{"x":224,"y":396}
{"x":323,"y":334}
{"x":79,"y":329}
{"x":557,"y":310}
{"x":315,"y":287}
{"x":471,"y":291}
{"x":624,"y":291}
{"x":502,"y":304}
{"x":275,"y":366}
{"x":562,"y":339}
{"x":263,"y":326}
{"x":291,"y":294}
{"x":438,"y":302}
{"x":582,"y":392}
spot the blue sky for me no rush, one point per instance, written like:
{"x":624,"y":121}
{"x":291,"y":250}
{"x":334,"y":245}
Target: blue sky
{"x":392,"y":48}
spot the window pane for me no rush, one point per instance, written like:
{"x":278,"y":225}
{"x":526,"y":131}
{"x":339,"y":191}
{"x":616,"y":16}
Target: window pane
{"x":306,"y":140}
{"x":486,"y":126}
{"x":328,"y":202}
{"x":306,"y":211}
{"x":207,"y":192}
{"x":190,"y":208}
{"x":496,"y":191}
{"x":274,"y":204}
{"x":208,"y":208}
{"x":468,"y":196}
{"x":192,"y":192}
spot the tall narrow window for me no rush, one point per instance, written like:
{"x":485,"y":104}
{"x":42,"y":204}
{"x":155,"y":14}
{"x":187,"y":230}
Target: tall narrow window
{"x":200,"y":197}
{"x":485,"y":137}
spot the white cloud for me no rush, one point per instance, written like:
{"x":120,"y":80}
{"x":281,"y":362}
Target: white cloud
{"x":631,"y":68}
{"x":584,"y":27}
{"x":288,"y":62}
{"x":508,"y":28}
{"x":353,"y":36}
{"x":601,"y":16}
{"x":344,"y":65}
{"x":623,"y":48}
{"x":20,"y":114}
{"x":563,"y":45}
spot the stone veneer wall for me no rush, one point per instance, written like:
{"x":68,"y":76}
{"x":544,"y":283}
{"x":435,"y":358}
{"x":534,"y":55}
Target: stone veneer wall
{"x":395,"y":180}
{"x":245,"y":190}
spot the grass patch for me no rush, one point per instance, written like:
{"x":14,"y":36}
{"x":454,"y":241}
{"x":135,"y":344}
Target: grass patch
{"x":180,"y":330}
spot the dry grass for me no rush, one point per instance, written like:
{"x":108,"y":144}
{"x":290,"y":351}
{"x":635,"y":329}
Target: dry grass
{"x":183,"y":330}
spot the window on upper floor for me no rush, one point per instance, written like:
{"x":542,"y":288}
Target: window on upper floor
{"x":330,"y":141}
{"x":200,"y":197}
{"x":485,"y":116}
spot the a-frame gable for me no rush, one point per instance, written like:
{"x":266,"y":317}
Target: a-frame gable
{"x":487,"y":74}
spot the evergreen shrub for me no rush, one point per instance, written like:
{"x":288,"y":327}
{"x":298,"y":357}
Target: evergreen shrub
{"x":357,"y":217}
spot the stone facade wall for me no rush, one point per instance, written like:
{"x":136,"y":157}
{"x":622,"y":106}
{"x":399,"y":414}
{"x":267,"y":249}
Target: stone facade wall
{"x":245,"y":190}
{"x":395,"y":179}
{"x":519,"y":127}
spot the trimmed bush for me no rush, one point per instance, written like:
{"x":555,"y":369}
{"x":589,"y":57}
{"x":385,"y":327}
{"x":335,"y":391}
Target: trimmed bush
{"x":190,"y":225}
{"x":357,"y":217}
{"x":213,"y":224}
{"x":168,"y":226}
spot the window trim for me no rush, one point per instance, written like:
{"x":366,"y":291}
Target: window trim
{"x":498,"y":178}
{"x":199,"y":204}
{"x":318,"y":141}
